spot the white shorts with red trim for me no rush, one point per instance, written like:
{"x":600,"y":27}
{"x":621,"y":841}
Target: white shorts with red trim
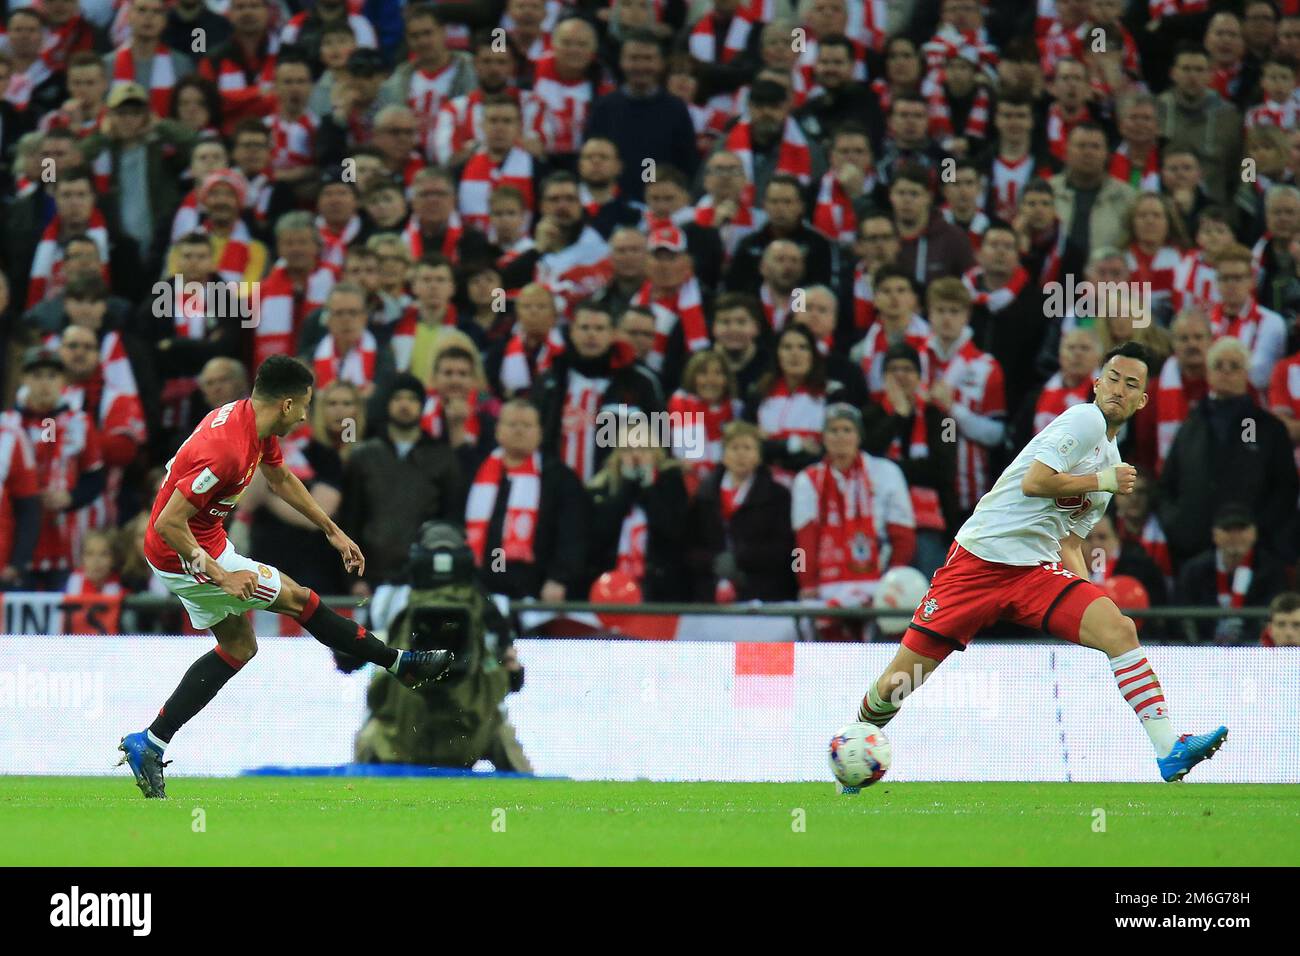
{"x":206,"y":604}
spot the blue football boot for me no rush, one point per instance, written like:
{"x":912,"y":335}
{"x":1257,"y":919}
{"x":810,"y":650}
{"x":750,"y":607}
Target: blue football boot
{"x":1188,"y":752}
{"x":145,"y":761}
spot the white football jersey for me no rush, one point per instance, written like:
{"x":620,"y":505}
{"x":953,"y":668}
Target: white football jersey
{"x":1009,"y":527}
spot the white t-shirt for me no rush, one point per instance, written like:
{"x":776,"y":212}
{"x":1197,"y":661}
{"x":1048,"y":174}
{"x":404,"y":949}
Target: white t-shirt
{"x":1009,"y":527}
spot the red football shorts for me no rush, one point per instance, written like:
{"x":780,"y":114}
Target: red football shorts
{"x":968,"y":594}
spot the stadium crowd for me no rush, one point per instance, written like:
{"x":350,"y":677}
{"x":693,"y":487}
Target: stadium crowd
{"x":854,"y":253}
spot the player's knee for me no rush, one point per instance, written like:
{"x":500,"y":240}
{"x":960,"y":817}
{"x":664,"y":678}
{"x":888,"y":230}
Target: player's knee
{"x":242,"y":647}
{"x":294,"y":597}
{"x":1121,"y":636}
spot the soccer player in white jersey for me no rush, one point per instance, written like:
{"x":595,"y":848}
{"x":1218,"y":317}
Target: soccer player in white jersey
{"x":1019,"y":557}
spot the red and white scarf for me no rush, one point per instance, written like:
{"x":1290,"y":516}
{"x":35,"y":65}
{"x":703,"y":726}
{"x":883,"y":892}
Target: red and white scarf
{"x":746,"y":220}
{"x":793,"y":156}
{"x":565,"y":106}
{"x":47,"y":263}
{"x":1244,"y":325}
{"x":414,"y":239}
{"x":998,"y":299}
{"x":1282,"y":115}
{"x":1195,"y":283}
{"x":835,"y":525}
{"x":1232,"y":593}
{"x":23,"y":85}
{"x":402,"y":342}
{"x":925,"y":500}
{"x":293,"y":141}
{"x":232,"y":264}
{"x":703,"y":45}
{"x":1009,"y":179}
{"x":870,"y":352}
{"x":482,"y":174}
{"x":1172,"y":407}
{"x":785,"y":414}
{"x":974,"y":229}
{"x":834,"y":216}
{"x":1059,"y":127}
{"x":357,"y":365}
{"x":632,"y":538}
{"x":425,"y":95}
{"x":523,"y":505}
{"x":516,"y":375}
{"x":281,"y":311}
{"x":697,"y":429}
{"x":864,"y":302}
{"x":686,"y":304}
{"x":334,"y":244}
{"x":582,"y":398}
{"x":1121,"y":168}
{"x":431,"y":419}
{"x":977,"y":120}
{"x":162,"y":76}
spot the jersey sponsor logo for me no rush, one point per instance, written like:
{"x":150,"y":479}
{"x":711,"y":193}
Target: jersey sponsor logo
{"x":205,"y":482}
{"x":928,"y":608}
{"x":1077,"y":505}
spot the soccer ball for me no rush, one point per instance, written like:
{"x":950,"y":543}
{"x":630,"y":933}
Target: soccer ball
{"x":859,"y":755}
{"x":901,"y":588}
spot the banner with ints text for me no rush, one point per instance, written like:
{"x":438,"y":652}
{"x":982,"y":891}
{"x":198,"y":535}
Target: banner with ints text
{"x":670,"y":710}
{"x":35,"y":612}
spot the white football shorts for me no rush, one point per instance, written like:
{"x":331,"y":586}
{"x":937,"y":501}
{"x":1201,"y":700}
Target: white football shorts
{"x":206,"y":604}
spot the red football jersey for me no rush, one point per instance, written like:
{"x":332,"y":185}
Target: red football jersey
{"x":211,"y":469}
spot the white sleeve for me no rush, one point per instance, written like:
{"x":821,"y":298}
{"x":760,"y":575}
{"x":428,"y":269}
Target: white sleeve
{"x":803,"y":501}
{"x":896,"y":500}
{"x":1270,"y":347}
{"x":985,"y":430}
{"x":1071,"y":435}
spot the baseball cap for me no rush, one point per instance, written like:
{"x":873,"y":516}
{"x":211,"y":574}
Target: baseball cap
{"x":38,"y":357}
{"x":1232,"y":516}
{"x":127,"y":93}
{"x":666,"y":237}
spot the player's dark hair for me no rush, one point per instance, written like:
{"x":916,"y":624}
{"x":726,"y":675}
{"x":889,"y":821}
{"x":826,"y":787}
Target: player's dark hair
{"x":281,"y":377}
{"x":1284,"y":603}
{"x":1133,"y":350}
{"x":839,"y":40}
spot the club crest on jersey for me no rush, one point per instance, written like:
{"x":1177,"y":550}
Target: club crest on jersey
{"x":1077,"y":505}
{"x":928,"y":608}
{"x":264,"y":571}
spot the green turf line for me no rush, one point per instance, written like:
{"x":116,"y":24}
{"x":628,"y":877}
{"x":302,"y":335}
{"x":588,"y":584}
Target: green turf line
{"x":102,"y":821}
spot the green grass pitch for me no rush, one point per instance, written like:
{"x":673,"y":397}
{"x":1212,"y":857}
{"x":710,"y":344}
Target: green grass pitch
{"x":103,"y":821}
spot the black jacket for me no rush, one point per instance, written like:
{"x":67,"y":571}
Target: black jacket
{"x":559,"y":542}
{"x":630,"y":384}
{"x":664,"y":503}
{"x":1198,"y":586}
{"x":387,"y":498}
{"x":820,"y":256}
{"x":937,"y":470}
{"x":759,"y":538}
{"x":1211,"y":464}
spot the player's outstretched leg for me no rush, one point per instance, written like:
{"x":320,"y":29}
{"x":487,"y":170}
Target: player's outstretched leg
{"x":905,"y":673}
{"x":1106,"y":629}
{"x":412,"y":668}
{"x":143,"y":751}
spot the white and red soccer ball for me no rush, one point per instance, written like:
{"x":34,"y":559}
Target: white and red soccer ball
{"x":859,"y":755}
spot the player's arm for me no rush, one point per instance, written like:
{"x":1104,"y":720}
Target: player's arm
{"x":173,"y":526}
{"x":1044,"y":481}
{"x":293,"y":492}
{"x":1072,"y":558}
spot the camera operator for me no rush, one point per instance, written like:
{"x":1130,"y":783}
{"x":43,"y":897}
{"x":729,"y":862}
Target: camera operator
{"x":458,"y":720}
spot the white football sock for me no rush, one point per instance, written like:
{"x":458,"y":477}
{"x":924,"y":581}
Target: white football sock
{"x":1138,"y":683}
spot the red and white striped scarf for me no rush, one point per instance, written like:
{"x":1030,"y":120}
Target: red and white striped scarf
{"x":293,"y":142}
{"x":1259,"y":250}
{"x":974,"y":229}
{"x":687,"y":305}
{"x":162,"y":76}
{"x":1051,"y":268}
{"x":732,"y":495}
{"x":837,"y":528}
{"x":925,"y":500}
{"x":357,"y":365}
{"x":872,"y":28}
{"x":834,"y":216}
{"x":186,"y":219}
{"x":1121,"y":168}
{"x":949,"y":42}
{"x":516,"y":375}
{"x":870,"y":352}
{"x":78,"y":585}
{"x":777,"y":312}
{"x":47,"y":264}
{"x":746,"y":220}
{"x":632,"y":537}
{"x":582,"y":397}
{"x":414,"y":239}
{"x":232,"y":264}
{"x":281,"y":312}
{"x":23,"y":85}
{"x":232,"y":78}
{"x":1195,"y":283}
{"x":1009,"y":179}
{"x":1282,"y":115}
{"x":697,"y":429}
{"x":75,"y":36}
{"x":864,"y":302}
{"x":1244,"y":325}
{"x":1160,"y":9}
{"x":1056,"y":397}
{"x":1059,"y":128}
{"x":431,"y":419}
{"x":523,"y":505}
{"x":425,"y":95}
{"x":565,"y":106}
{"x":1172,"y":408}
{"x":190,"y":316}
{"x":334,"y":244}
{"x":703,"y":45}
{"x":977,"y":120}
{"x":793,"y":156}
{"x":482,"y":174}
{"x":784,"y":413}
{"x":997,"y":300}
{"x":1158,"y":268}
{"x":1232,"y":594}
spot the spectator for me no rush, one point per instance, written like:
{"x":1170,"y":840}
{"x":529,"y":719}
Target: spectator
{"x":740,"y":544}
{"x":1236,"y":571}
{"x":1270,"y":257}
{"x":638,"y":499}
{"x":435,"y":225}
{"x":699,"y":413}
{"x":459,"y":410}
{"x":458,"y":129}
{"x":1091,"y":205}
{"x":897,"y":321}
{"x":196,"y":107}
{"x":348,"y":350}
{"x":527,"y":515}
{"x":1155,"y":250}
{"x":96,"y":573}
{"x":433,"y":73}
{"x":723,"y":205}
{"x":1196,"y":117}
{"x":237,"y":256}
{"x":668,"y":203}
{"x":1239,"y":315}
{"x":401,"y":456}
{"x":929,"y":247}
{"x":1283,"y":628}
{"x":641,"y":118}
{"x":338,"y":417}
{"x":1182,"y":180}
{"x":1108,"y":556}
{"x":852,"y":520}
{"x":629,"y":259}
{"x":569,"y":256}
{"x":1229,"y":450}
{"x":21,"y":495}
{"x":738,"y":335}
{"x":784,"y":207}
{"x":599,"y":168}
{"x":818,"y":313}
{"x":533,"y":346}
{"x":594,"y":375}
{"x":565,"y":85}
{"x":1136,"y":522}
{"x":789,"y":403}
{"x":243,"y":66}
{"x":1071,"y":384}
{"x":908,"y":144}
{"x":296,"y":286}
{"x":355,"y":103}
{"x":304,"y":29}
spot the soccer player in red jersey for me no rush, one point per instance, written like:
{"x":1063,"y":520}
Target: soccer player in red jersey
{"x":186,"y":546}
{"x":1019,"y":557}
